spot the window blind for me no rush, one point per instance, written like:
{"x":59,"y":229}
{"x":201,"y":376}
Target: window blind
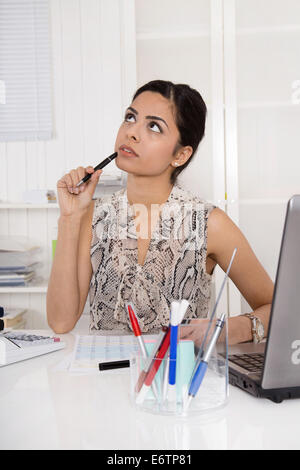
{"x":25,"y":84}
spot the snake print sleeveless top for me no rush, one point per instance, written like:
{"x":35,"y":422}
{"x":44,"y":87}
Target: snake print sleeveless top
{"x":174,"y":267}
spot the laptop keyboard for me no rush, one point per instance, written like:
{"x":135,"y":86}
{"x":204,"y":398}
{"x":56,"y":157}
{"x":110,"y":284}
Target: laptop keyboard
{"x":251,"y":362}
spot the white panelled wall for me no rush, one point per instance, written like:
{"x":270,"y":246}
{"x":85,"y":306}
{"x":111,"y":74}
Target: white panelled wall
{"x":241,"y":55}
{"x":90,"y":42}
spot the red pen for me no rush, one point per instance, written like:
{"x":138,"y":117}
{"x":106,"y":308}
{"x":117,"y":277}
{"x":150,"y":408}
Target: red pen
{"x":137,"y":330}
{"x":154,"y":367}
{"x":150,"y":359}
{"x":138,"y":334}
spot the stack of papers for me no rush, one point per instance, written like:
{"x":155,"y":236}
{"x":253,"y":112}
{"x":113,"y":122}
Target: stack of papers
{"x":15,"y":279}
{"x":12,"y":318}
{"x":18,"y":261}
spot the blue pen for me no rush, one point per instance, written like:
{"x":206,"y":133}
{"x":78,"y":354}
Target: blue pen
{"x":202,"y":367}
{"x":178,"y":310}
{"x":199,"y":357}
{"x":175,"y":310}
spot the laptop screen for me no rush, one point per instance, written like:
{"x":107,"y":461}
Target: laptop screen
{"x":282,"y":359}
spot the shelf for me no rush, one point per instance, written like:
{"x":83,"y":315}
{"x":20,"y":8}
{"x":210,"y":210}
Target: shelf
{"x":12,"y":205}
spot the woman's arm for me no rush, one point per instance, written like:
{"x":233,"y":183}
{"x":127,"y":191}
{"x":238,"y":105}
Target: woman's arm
{"x":71,"y":269}
{"x":71,"y":273}
{"x":246,"y":272}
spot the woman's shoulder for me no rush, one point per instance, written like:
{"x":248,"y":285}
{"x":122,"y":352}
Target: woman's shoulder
{"x":185,"y":196}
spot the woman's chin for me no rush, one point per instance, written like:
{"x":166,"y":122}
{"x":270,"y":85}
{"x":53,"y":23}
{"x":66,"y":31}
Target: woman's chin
{"x":123,"y":164}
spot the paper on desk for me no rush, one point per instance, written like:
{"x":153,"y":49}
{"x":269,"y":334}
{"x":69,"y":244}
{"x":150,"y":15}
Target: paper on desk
{"x":89,"y":350}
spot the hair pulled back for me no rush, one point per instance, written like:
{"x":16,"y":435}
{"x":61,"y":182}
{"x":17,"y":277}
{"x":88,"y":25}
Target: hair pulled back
{"x":189,"y":112}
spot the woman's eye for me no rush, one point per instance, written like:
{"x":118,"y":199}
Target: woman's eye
{"x":154,"y":127}
{"x":129,"y":116}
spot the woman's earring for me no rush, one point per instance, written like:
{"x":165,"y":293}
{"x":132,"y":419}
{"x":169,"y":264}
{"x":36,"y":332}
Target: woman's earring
{"x":176,"y":164}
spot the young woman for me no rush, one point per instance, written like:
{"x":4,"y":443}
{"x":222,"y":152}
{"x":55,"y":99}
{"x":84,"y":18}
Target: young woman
{"x":152,"y":242}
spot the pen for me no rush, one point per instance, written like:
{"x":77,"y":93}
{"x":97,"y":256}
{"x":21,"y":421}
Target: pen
{"x":215,"y":308}
{"x":98,"y":167}
{"x":150,"y":358}
{"x":114,"y":365}
{"x":154,"y":367}
{"x":138,"y":335}
{"x":165,"y":378}
{"x":199,"y":356}
{"x":137,"y":330}
{"x":202,"y":367}
{"x":178,"y":310}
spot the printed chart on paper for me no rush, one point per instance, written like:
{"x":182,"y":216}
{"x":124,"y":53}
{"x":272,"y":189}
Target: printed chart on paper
{"x":89,"y":350}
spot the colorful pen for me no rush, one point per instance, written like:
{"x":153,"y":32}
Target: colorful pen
{"x":136,"y":329}
{"x":138,"y":335}
{"x":202,"y":367}
{"x":154,"y":367}
{"x":164,"y":387}
{"x":98,"y":167}
{"x":178,"y":310}
{"x":199,"y":356}
{"x":150,"y":358}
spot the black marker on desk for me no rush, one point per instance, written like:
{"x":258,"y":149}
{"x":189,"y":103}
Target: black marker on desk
{"x":98,"y":167}
{"x":114,"y":365}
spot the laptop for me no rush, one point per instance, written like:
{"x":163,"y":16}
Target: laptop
{"x":272,"y":369}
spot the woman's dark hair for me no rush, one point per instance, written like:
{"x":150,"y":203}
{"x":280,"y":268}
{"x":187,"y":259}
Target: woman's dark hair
{"x":190,"y":114}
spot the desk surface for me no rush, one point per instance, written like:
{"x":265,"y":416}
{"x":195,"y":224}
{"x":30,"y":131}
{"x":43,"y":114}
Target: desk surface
{"x":44,"y":408}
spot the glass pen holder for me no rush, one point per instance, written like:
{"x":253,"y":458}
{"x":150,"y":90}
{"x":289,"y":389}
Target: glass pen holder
{"x":196,"y":387}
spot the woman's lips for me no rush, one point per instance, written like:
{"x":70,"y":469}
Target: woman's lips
{"x":127,"y":151}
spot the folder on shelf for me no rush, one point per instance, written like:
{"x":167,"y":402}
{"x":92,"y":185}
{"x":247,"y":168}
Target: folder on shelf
{"x":20,"y":269}
{"x":16,"y":279}
{"x":12,"y":318}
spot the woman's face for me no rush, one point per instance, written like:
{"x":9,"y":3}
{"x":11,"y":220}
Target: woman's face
{"x":150,"y":134}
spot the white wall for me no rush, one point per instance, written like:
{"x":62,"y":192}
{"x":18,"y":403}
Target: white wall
{"x":91,"y":87}
{"x":99,"y":55}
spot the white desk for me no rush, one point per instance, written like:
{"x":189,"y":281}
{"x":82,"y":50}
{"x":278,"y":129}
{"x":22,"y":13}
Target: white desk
{"x":42,"y":408}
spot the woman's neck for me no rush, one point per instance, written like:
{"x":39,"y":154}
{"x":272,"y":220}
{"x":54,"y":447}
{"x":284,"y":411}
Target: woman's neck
{"x":147,"y":190}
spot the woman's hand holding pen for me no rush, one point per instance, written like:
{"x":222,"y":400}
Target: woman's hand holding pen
{"x":75,"y":200}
